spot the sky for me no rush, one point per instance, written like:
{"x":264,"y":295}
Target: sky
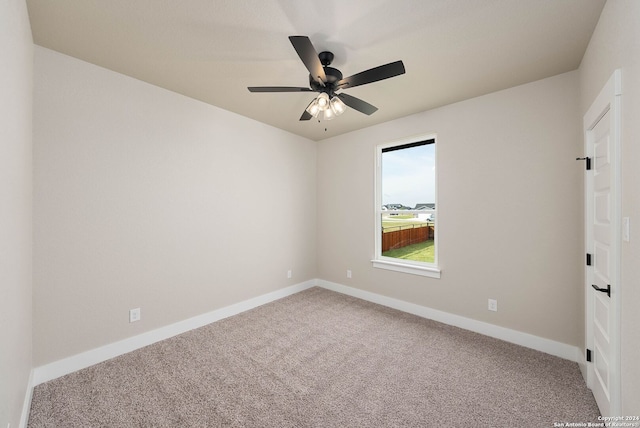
{"x":409,"y":176}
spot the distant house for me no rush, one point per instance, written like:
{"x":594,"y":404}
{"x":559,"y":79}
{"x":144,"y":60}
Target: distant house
{"x":430,"y":206}
{"x":395,"y":207}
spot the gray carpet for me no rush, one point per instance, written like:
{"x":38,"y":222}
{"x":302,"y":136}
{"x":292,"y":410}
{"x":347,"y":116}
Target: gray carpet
{"x":320,"y":359}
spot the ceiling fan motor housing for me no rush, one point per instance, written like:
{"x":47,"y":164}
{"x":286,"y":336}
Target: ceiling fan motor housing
{"x":333,"y":75}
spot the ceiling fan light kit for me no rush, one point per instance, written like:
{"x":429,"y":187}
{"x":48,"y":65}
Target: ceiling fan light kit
{"x":330,"y":108}
{"x":328,"y":80}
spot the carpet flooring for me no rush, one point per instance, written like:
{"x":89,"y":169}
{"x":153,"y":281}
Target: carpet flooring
{"x":320,"y":359}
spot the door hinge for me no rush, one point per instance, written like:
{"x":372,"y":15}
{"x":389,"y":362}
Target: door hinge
{"x":588,"y":162}
{"x":588,"y":355}
{"x":588,"y":259}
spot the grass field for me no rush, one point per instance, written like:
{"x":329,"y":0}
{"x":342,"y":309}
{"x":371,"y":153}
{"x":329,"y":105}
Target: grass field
{"x":422,"y":252}
{"x":400,"y":222}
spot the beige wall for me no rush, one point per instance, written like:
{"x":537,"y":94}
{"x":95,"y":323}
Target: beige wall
{"x":146,"y":198}
{"x":616,"y":44}
{"x":140,"y":195}
{"x":509,"y":209}
{"x":16,"y":73}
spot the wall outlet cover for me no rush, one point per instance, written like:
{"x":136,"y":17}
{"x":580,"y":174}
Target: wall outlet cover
{"x":134,"y":315}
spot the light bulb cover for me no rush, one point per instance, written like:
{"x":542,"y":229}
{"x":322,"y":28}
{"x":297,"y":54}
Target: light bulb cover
{"x":337,"y":106}
{"x":329,"y":114}
{"x":313,"y":108}
{"x":323,"y":101}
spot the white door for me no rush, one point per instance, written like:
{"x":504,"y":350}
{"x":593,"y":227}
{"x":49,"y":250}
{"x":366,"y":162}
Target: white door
{"x":602,"y":286}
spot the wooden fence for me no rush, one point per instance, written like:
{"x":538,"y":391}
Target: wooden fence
{"x":401,"y":238}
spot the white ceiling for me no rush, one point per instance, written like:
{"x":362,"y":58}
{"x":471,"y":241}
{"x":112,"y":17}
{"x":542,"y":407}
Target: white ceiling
{"x":211,"y":50}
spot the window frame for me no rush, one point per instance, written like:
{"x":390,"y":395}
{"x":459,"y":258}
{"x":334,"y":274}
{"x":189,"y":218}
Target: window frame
{"x":431,"y":270}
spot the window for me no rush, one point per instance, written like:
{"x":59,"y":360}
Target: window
{"x":406,"y":208}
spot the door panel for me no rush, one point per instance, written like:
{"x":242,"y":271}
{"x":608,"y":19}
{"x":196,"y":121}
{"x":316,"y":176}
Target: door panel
{"x":601,"y":258}
{"x":602,"y":371}
{"x":603,"y":211}
{"x":602,"y":233}
{"x":602,"y":318}
{"x":603,"y":240}
{"x":602,"y":180}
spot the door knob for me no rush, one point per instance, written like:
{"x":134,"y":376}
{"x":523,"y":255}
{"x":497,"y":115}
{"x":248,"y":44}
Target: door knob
{"x":604,"y":290}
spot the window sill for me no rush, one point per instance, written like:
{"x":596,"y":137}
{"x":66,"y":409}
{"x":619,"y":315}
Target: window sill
{"x":431,"y":272}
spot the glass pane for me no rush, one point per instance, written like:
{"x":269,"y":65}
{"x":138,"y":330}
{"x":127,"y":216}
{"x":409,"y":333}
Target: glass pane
{"x":408,"y":237}
{"x":409,"y":183}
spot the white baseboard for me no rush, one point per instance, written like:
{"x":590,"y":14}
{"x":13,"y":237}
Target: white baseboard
{"x":26,"y":405}
{"x":548,"y":346}
{"x":94,"y":356}
{"x":77,"y":362}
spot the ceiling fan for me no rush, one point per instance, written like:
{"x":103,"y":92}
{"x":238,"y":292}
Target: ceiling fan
{"x":328,"y":81}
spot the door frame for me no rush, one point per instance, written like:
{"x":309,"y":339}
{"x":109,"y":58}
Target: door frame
{"x":608,"y":100}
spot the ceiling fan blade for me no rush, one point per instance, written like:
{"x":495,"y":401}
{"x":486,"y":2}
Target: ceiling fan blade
{"x":357,"y":104}
{"x":372,"y":75}
{"x":309,"y":57}
{"x":306,"y":116}
{"x":278,"y":89}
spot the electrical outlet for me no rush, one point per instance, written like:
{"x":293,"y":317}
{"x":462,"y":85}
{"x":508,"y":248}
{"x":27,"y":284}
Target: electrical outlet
{"x":289,"y":273}
{"x":134,"y":315}
{"x":348,"y":273}
{"x":493,"y":305}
